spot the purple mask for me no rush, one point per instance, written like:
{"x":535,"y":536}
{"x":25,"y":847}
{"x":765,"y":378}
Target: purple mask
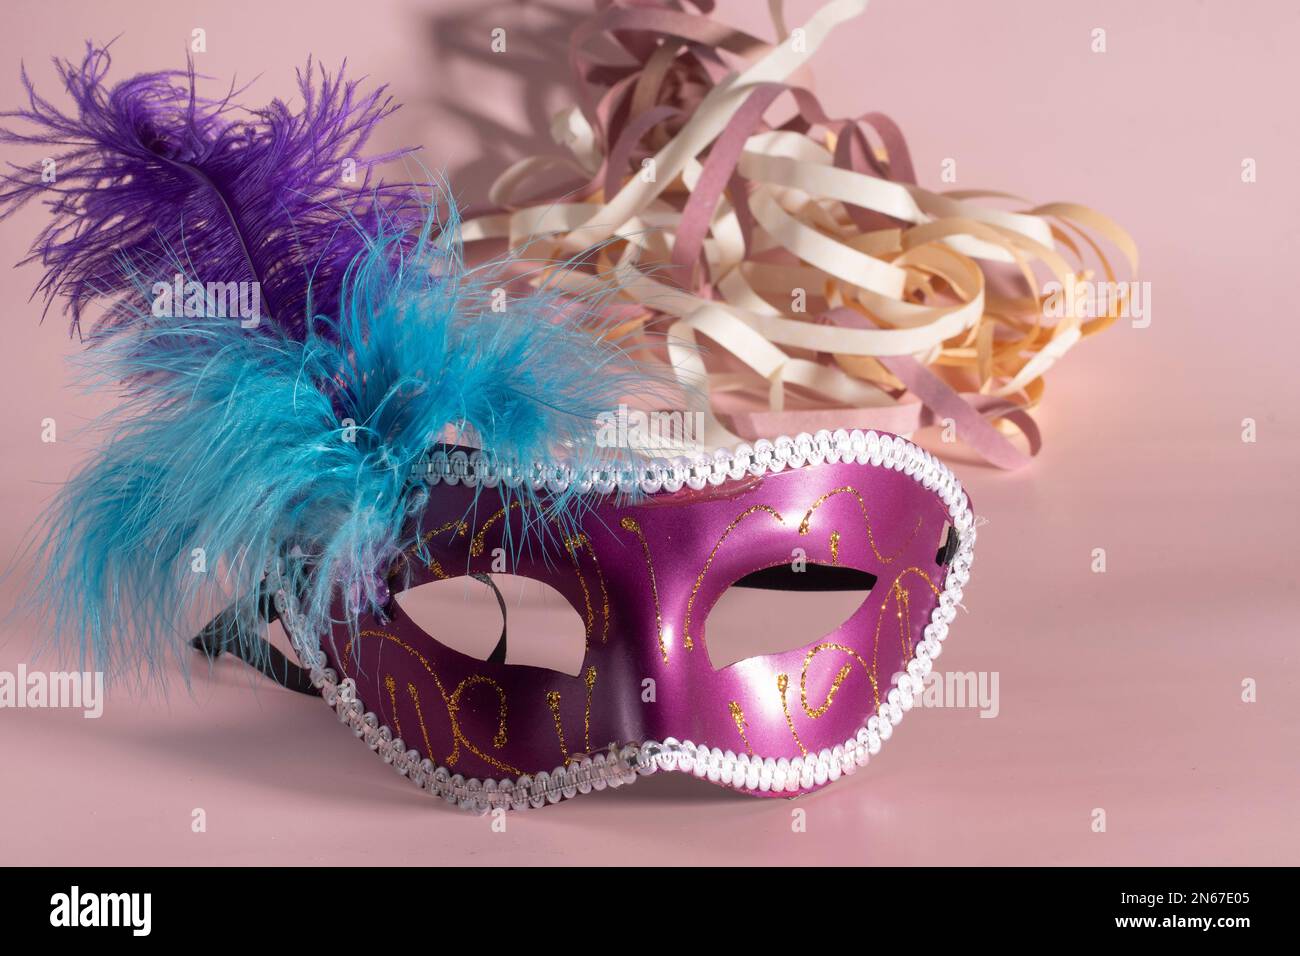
{"x":644,"y":576}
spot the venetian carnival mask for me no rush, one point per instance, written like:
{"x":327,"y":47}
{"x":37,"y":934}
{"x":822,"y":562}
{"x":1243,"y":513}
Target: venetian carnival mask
{"x":297,"y":463}
{"x":870,"y":509}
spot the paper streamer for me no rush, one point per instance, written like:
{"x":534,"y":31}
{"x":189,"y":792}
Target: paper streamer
{"x":799,"y":273}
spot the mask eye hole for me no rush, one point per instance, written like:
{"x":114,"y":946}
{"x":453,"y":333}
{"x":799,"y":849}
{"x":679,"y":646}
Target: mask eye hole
{"x":780,"y":609}
{"x":502,"y":618}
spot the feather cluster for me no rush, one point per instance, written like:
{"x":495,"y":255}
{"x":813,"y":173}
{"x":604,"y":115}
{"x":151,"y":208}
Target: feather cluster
{"x":147,"y":171}
{"x":299,"y":443}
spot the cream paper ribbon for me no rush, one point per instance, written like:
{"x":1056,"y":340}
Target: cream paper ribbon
{"x":804,"y":252}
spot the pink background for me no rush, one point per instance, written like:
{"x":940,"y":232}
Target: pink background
{"x":1119,"y":691}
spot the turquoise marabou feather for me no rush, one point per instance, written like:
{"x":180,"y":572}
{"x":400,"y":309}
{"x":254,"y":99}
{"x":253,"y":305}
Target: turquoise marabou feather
{"x":236,"y":442}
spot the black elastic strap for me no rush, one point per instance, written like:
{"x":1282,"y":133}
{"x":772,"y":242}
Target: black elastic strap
{"x":947,"y":550}
{"x":498,"y":655}
{"x":223,"y":635}
{"x":813,"y":577}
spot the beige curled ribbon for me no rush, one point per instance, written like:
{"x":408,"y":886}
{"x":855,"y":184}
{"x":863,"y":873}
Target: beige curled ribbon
{"x":796,"y":267}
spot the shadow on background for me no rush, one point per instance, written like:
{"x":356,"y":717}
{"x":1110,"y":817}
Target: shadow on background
{"x":506,"y":115}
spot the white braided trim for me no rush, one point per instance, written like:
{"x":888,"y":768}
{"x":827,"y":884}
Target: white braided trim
{"x":622,"y":765}
{"x":669,"y":475}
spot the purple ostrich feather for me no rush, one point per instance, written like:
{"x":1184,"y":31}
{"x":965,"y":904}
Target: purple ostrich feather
{"x":150,"y":178}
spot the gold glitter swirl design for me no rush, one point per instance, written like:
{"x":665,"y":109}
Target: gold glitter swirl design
{"x":499,"y":739}
{"x":590,"y":680}
{"x":783,"y":685}
{"x":452,"y":702}
{"x":904,"y":613}
{"x":903,"y":607}
{"x":699,"y":581}
{"x":391,"y":685}
{"x":804,"y":525}
{"x":553,"y":702}
{"x":840,"y":677}
{"x":460,"y":525}
{"x":460,"y":528}
{"x":571,"y":547}
{"x":584,"y":543}
{"x":738,"y":715}
{"x":478,"y":542}
{"x":553,"y":699}
{"x":414,"y":693}
{"x":630,"y":524}
{"x":901,"y":596}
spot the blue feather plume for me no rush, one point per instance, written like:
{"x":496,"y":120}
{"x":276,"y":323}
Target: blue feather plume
{"x":296,"y":443}
{"x":237,"y":443}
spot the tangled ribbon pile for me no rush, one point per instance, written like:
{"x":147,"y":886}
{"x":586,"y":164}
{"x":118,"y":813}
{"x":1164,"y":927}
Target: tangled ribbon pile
{"x":843,"y":294}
